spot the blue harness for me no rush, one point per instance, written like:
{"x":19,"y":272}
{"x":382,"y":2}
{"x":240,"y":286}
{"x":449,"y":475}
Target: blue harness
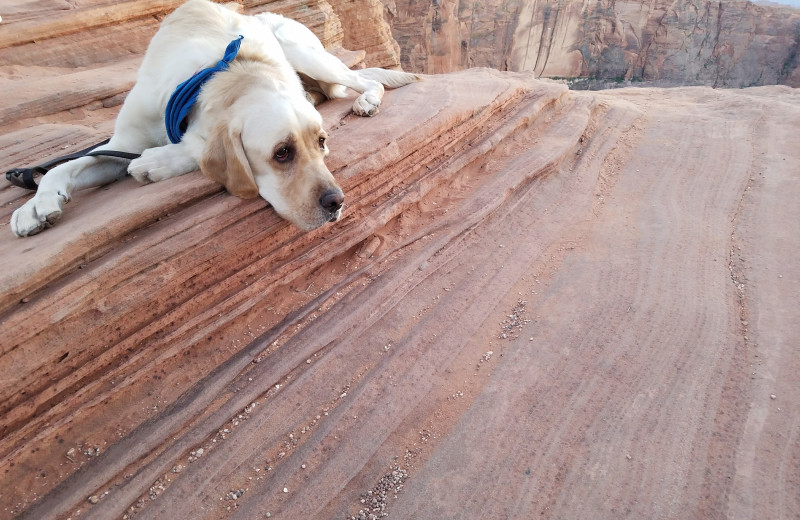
{"x":185,"y":96}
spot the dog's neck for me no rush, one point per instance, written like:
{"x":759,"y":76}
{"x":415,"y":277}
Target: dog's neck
{"x":248,"y":72}
{"x":248,"y":53}
{"x":183,"y":99}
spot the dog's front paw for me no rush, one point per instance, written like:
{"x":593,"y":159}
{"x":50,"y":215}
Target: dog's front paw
{"x":146,"y":168}
{"x":39,"y":213}
{"x":158,"y":164}
{"x":366,"y":105}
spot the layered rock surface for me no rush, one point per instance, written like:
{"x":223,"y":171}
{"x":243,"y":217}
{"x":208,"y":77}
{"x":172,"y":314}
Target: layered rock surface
{"x":539,"y":303}
{"x":687,"y":42}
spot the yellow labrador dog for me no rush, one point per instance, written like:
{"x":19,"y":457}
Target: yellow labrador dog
{"x":250,"y":127}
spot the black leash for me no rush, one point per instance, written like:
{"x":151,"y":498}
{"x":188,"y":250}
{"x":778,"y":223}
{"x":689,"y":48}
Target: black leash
{"x":23,"y":177}
{"x":178,"y":107}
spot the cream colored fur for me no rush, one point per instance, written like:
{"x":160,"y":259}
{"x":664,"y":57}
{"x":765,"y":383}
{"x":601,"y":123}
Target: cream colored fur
{"x":253,"y":128}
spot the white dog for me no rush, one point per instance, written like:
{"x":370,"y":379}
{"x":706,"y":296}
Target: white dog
{"x":252,"y":128}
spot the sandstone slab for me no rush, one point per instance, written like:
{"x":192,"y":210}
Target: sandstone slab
{"x":538,"y":303}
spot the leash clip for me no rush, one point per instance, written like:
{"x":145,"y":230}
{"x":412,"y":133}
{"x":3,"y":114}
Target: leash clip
{"x":23,"y":177}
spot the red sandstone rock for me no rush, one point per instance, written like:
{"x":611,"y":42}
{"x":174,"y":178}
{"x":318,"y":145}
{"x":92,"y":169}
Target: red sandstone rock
{"x":575,"y":305}
{"x":366,"y":27}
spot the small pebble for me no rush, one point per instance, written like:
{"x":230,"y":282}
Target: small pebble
{"x":93,"y":499}
{"x":773,"y":396}
{"x":369,"y":248}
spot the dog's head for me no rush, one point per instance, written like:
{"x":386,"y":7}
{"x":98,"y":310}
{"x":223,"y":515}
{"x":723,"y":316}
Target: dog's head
{"x":273,"y":145}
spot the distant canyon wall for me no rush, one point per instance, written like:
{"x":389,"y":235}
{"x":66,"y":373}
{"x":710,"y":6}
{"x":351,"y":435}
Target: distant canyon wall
{"x":720,"y":43}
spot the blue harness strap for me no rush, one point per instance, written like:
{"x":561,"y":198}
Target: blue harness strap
{"x":185,"y":96}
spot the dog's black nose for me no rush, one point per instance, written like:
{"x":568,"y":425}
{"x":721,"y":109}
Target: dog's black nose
{"x":332,"y":200}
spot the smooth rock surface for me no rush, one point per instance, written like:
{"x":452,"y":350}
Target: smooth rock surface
{"x":538,"y":303}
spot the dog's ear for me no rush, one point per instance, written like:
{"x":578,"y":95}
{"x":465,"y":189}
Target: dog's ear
{"x":225,"y":162}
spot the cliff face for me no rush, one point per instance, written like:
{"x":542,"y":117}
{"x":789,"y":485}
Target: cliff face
{"x":727,"y":44}
{"x":365,"y":27}
{"x":429,"y":35}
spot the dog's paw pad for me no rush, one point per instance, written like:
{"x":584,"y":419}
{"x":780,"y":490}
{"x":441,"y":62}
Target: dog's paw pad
{"x":158,"y":164}
{"x":140,"y":170}
{"x":39,"y":213}
{"x":149,"y":171}
{"x":366,"y":105}
{"x":25,"y":222}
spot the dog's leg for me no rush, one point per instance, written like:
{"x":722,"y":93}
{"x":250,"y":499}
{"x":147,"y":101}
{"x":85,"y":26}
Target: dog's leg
{"x":55,"y":189}
{"x":307,"y":56}
{"x":327,"y":69}
{"x":165,"y":162}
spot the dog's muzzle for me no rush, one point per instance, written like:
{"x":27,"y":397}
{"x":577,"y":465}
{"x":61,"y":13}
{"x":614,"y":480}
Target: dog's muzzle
{"x":332,"y":201}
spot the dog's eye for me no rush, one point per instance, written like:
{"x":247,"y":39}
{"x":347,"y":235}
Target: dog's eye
{"x":322,"y":143}
{"x":284,"y":154}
